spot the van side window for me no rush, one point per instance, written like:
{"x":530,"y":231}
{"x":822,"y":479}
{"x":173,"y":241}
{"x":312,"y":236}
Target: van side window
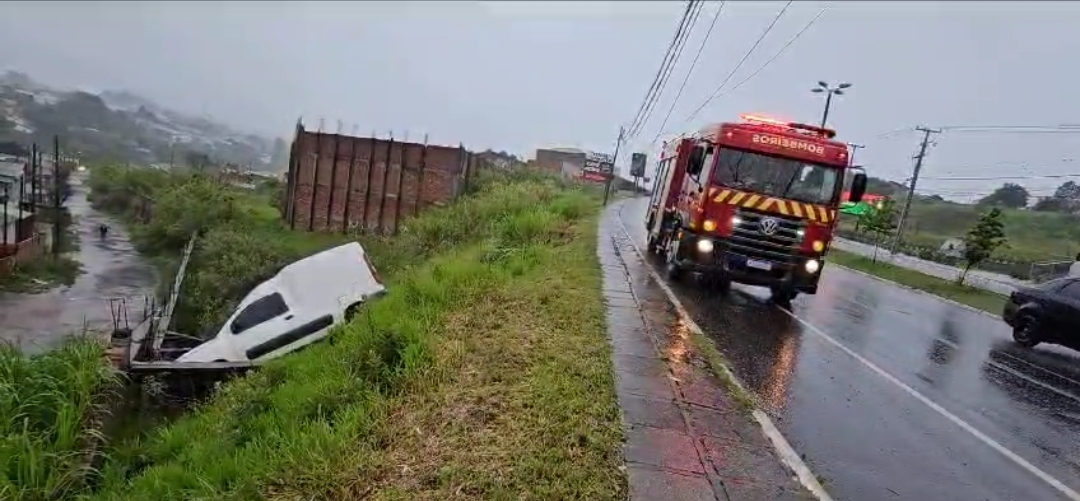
{"x":259,"y":311}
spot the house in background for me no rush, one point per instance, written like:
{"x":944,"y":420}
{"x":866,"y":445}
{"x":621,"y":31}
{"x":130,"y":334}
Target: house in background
{"x":565,"y":162}
{"x":16,"y":213}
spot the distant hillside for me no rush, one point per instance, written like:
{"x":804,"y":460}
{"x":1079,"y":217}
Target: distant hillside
{"x":120,"y":126}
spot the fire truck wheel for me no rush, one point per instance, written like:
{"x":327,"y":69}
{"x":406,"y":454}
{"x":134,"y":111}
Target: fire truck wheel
{"x":721,"y":284}
{"x":783,"y":296}
{"x":672,"y":268}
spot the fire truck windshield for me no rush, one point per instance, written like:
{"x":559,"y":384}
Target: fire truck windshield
{"x":776,"y":176}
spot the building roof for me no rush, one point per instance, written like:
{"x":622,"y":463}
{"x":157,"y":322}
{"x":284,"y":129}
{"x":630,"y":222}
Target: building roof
{"x":563,"y":150}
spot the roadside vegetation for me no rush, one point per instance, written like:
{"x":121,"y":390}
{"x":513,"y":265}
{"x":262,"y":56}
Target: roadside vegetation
{"x":41,"y":274}
{"x":972,"y":296}
{"x":483,"y":373}
{"x":51,"y":408}
{"x":1048,"y":230}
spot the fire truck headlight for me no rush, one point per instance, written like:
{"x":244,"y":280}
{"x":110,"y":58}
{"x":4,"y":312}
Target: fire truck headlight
{"x":818,"y":245}
{"x":800,"y":233}
{"x":812,"y":266}
{"x":704,"y":246}
{"x":709,"y":225}
{"x":736,"y":220}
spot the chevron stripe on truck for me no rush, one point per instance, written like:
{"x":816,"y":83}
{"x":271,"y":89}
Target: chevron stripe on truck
{"x":773,"y":205}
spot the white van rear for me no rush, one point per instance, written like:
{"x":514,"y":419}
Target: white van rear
{"x":296,"y":307}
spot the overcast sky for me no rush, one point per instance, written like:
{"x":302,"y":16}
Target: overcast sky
{"x":517,"y":75}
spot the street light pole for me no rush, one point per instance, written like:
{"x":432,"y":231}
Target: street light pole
{"x":829,"y":93}
{"x":851,"y":157}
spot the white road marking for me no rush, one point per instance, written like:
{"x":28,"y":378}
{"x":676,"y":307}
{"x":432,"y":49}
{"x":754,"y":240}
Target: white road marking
{"x":953,"y":344}
{"x":1012,"y":456}
{"x":787,"y":453}
{"x":785,"y":449}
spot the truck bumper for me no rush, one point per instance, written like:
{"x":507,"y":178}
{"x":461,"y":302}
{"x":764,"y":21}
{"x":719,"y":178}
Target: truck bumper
{"x":794,"y":274}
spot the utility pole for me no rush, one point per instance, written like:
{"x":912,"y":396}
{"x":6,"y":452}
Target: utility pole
{"x":854,"y":147}
{"x":911,"y":188}
{"x":614,"y":159}
{"x":56,"y":196}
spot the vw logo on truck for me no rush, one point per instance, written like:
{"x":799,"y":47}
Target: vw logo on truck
{"x":769,"y":226}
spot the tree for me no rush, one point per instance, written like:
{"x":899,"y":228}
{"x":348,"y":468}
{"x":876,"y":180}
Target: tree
{"x":878,"y":221}
{"x":1068,"y":190}
{"x":1066,"y":198}
{"x":1052,"y":204}
{"x":982,"y":240}
{"x":1010,"y":195}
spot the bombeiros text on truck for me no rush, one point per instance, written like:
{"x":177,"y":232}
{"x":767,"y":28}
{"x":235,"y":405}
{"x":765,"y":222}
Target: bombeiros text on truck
{"x":753,"y":202}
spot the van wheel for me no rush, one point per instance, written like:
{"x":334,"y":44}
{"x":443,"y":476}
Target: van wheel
{"x":1026,"y":332}
{"x":352,"y":310}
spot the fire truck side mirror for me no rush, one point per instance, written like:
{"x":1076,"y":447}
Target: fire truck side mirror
{"x":858,"y":187}
{"x":696,"y":161}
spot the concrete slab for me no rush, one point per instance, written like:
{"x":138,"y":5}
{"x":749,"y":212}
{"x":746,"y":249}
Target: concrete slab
{"x":662,"y":448}
{"x":648,"y":484}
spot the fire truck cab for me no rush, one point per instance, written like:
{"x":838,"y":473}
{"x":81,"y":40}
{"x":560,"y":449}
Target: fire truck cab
{"x":753,"y":202}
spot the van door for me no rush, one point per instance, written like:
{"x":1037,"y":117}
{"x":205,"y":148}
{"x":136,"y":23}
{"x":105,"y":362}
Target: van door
{"x":261,"y":321}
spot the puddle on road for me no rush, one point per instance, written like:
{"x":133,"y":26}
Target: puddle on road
{"x":111,"y":269}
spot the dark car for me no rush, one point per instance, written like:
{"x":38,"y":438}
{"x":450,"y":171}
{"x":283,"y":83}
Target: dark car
{"x":1045,"y":313}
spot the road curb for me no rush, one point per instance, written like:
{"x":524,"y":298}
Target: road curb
{"x":788,"y":456}
{"x":916,"y":290}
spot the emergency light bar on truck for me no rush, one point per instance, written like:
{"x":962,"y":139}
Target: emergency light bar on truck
{"x":812,"y":130}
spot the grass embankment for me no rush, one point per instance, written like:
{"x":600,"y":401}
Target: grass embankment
{"x":972,"y":296}
{"x":51,"y":406}
{"x":41,"y":274}
{"x":483,"y":373}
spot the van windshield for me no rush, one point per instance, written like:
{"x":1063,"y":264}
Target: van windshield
{"x":777,"y":176}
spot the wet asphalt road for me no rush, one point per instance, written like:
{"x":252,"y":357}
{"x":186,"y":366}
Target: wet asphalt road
{"x":889,"y":394}
{"x":111,"y":269}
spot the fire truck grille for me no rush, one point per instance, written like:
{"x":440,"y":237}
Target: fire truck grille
{"x":751,"y":237}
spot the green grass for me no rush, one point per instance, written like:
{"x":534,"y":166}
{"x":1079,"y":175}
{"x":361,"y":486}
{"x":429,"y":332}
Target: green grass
{"x":1033,"y":235}
{"x":483,"y":373}
{"x":50,"y":419}
{"x":978,"y":298}
{"x":41,"y":274}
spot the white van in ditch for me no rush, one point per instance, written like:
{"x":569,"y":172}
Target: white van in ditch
{"x":296,"y":307}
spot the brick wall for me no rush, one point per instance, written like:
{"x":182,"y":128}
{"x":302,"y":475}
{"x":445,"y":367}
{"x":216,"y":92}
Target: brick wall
{"x":551,"y":161}
{"x":338,"y":182}
{"x":14,"y":254}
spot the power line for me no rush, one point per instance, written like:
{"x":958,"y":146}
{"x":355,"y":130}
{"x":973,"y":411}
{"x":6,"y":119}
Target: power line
{"x":741,"y":61}
{"x":1000,"y":178}
{"x":681,"y":44}
{"x":689,"y":72}
{"x":1071,"y":127}
{"x":775,"y":56}
{"x":663,"y":64}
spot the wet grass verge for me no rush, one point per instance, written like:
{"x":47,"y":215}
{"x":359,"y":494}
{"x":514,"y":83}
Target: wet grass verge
{"x":972,"y":296}
{"x":483,"y":373}
{"x":41,"y":274}
{"x":51,"y":410}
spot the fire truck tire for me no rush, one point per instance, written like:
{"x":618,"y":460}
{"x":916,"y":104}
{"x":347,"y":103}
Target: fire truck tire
{"x":721,"y":284}
{"x":652,"y":247}
{"x":671,"y":261}
{"x":783,"y":296}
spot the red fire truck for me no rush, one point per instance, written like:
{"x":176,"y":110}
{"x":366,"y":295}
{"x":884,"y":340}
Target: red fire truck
{"x":753,"y":202}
